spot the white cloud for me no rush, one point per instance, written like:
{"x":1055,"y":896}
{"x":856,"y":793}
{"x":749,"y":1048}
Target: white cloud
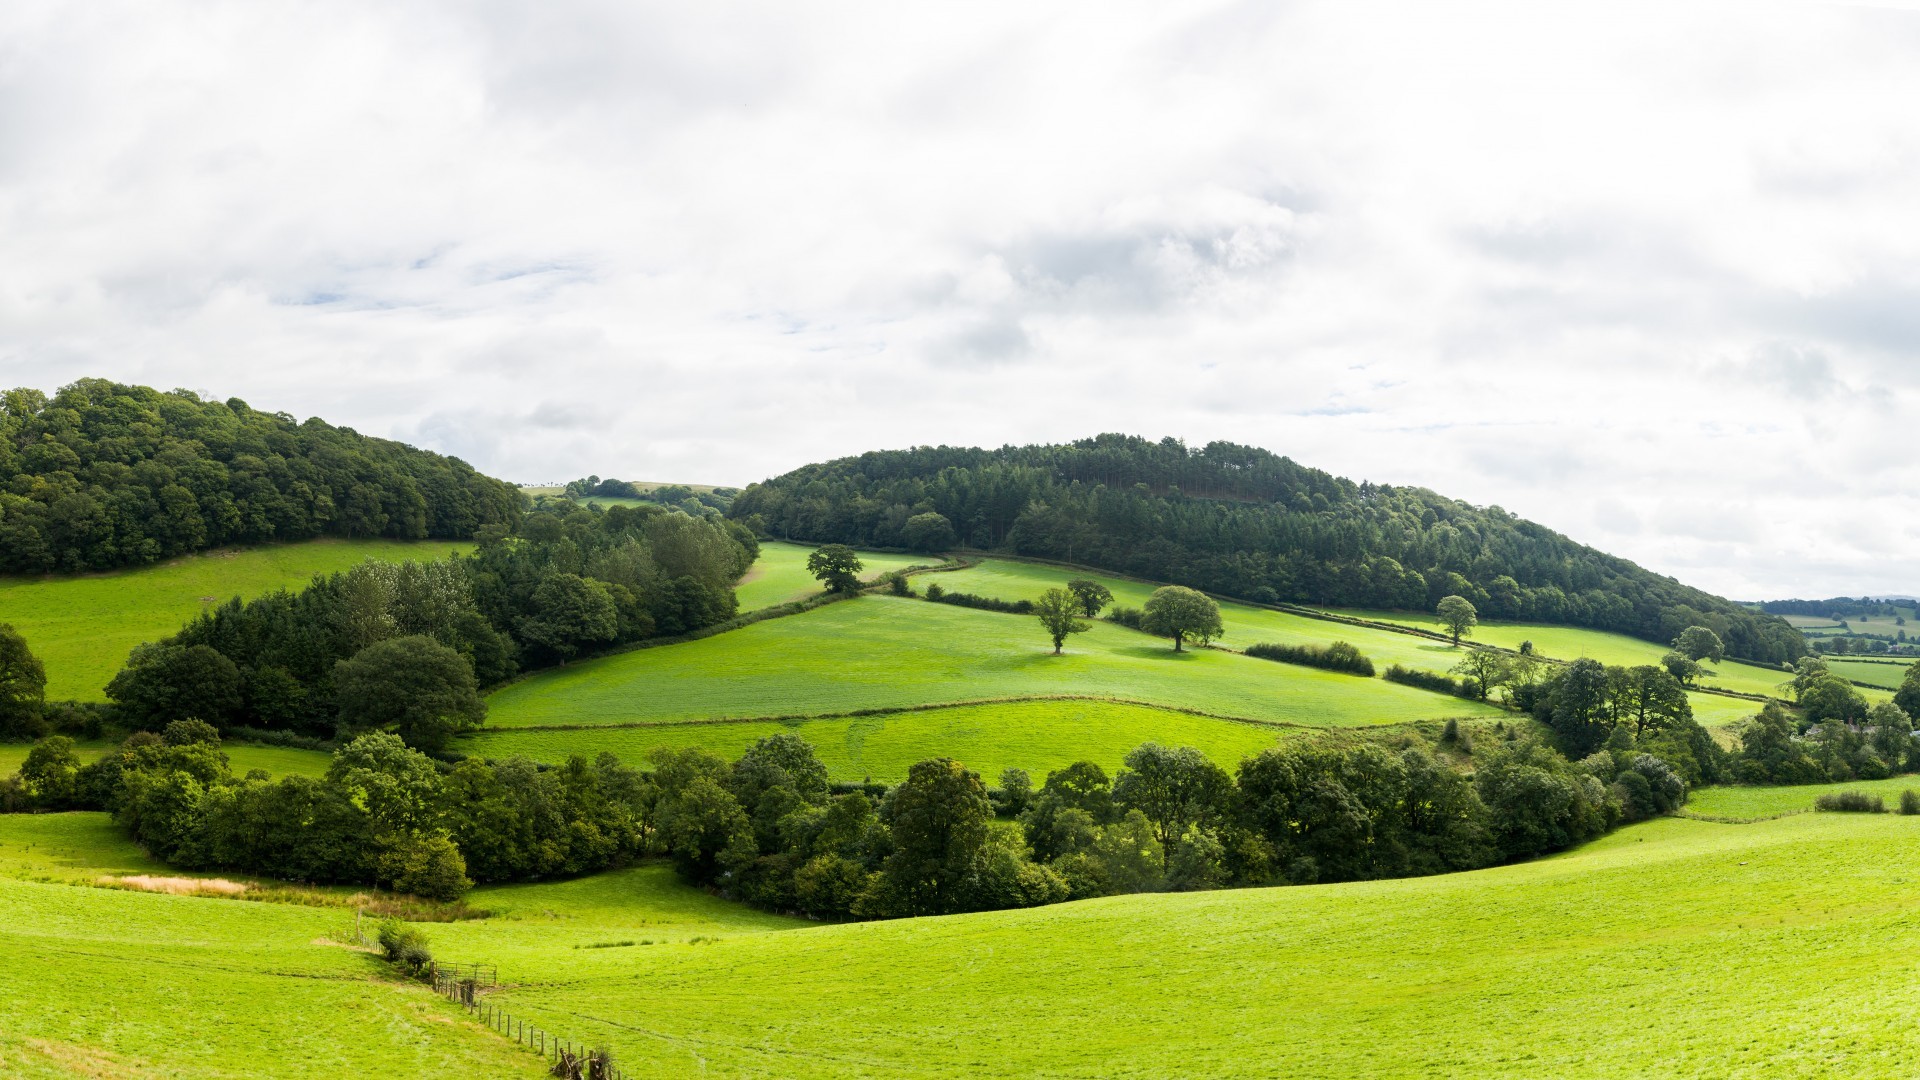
{"x":1646,"y":273}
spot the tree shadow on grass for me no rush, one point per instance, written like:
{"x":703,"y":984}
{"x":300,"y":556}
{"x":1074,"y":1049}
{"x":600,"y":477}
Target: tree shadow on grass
{"x":1148,"y":652}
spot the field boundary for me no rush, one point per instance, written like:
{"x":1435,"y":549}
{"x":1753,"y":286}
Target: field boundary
{"x":569,"y":1059}
{"x":801,"y":718}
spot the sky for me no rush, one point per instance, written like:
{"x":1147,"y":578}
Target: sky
{"x":1646,"y":273}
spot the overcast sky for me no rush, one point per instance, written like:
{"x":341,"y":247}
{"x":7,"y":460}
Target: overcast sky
{"x":1648,"y":274}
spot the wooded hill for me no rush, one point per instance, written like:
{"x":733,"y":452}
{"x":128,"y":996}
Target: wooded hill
{"x":1244,"y":522}
{"x":104,"y":475}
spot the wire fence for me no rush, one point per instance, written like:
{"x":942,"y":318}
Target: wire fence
{"x":463,"y":983}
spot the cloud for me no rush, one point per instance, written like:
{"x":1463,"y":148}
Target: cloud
{"x":1642,"y":272}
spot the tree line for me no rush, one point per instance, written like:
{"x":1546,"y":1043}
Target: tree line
{"x":1242,"y":522}
{"x":407,"y":647}
{"x":102,"y":475}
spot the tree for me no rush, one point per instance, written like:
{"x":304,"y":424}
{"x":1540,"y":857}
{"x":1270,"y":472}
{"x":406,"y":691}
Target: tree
{"x":939,"y":819}
{"x":1182,"y":614}
{"x":706,"y":830}
{"x":1699,"y":643}
{"x":570,"y":613}
{"x":1484,"y":669}
{"x":164,"y":683}
{"x":1908,"y":696}
{"x":428,"y":865}
{"x":1575,"y":707}
{"x":398,"y":788}
{"x":1059,"y":612}
{"x":1830,"y":697}
{"x":51,"y":773}
{"x":1681,"y":667}
{"x":1457,"y":614}
{"x":837,"y":567}
{"x":414,"y":686}
{"x":1175,"y":788}
{"x":1649,"y":697}
{"x":23,"y":687}
{"x":928,"y":532}
{"x":1091,"y":595}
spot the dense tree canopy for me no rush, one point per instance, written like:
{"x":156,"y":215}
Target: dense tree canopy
{"x":103,"y":475}
{"x":1243,"y":522}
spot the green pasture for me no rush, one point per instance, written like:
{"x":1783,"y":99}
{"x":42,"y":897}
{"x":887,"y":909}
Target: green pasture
{"x":108,"y":983}
{"x":276,"y":760}
{"x":888,"y":652}
{"x":1690,"y":944}
{"x":1747,"y":802}
{"x":1038,"y":736}
{"x":1882,"y":673}
{"x":83,"y":627}
{"x":780,"y":574}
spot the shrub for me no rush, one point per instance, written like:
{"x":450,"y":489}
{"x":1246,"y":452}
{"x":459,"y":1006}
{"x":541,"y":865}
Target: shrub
{"x":428,"y":866}
{"x":405,"y":946}
{"x":1427,"y":680}
{"x":1126,"y":616}
{"x":1339,"y":656}
{"x":898,"y":585}
{"x":935,"y":590}
{"x":984,"y":603}
{"x":1910,"y":802}
{"x":1851,"y":802}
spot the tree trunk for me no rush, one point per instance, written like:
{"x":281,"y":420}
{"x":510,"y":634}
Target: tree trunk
{"x":1176,"y":643}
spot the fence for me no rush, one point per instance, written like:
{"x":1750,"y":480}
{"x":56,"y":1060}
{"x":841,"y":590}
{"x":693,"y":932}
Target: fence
{"x":462,"y":983}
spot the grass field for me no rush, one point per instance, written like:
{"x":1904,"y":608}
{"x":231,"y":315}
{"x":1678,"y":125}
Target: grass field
{"x":276,"y":760}
{"x":1673,"y":948}
{"x":110,"y":983}
{"x":1881,"y":673}
{"x":1037,"y":736}
{"x":884,"y":652}
{"x":82,"y":628}
{"x":1747,"y":802}
{"x":780,"y":574}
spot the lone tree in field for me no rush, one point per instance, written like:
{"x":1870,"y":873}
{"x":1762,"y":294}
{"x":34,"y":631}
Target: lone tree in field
{"x":1699,"y":643}
{"x":1484,"y":669}
{"x":1182,"y":614}
{"x":1091,"y":595}
{"x":1059,"y":612}
{"x":1457,"y":615}
{"x":23,"y":687}
{"x":837,"y":567}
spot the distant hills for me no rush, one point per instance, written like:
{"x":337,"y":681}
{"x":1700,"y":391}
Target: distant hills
{"x":1244,"y":522}
{"x":103,"y":475}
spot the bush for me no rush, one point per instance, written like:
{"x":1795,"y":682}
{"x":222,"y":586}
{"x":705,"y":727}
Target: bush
{"x":898,"y":585}
{"x":1338,"y":656}
{"x":428,"y":866}
{"x":1126,"y":616}
{"x":1851,"y":802}
{"x":405,"y":946}
{"x":1427,"y":680}
{"x":1910,"y":802}
{"x":935,"y":590}
{"x":984,"y":603}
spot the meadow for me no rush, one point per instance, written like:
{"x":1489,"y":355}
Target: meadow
{"x":1038,"y":736}
{"x":83,"y":627}
{"x":1672,"y":948}
{"x":780,"y":575}
{"x":879,"y":652}
{"x":1753,"y":802}
{"x":244,"y":757}
{"x":108,"y":982}
{"x":1886,"y":674}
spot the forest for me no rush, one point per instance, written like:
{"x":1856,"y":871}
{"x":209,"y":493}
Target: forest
{"x":1242,"y":522}
{"x":103,"y":475}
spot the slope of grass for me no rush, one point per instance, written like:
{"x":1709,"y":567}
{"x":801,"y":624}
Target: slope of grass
{"x":1887,"y":675}
{"x":104,"y":982}
{"x":1037,"y":736}
{"x":780,"y":574}
{"x":1674,"y":948}
{"x":884,"y":652}
{"x":276,"y":760}
{"x":1748,"y":802}
{"x":82,"y":628}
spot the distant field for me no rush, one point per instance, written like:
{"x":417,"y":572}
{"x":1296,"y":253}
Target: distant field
{"x":276,"y":760}
{"x":1702,"y":940}
{"x":1740,"y":801}
{"x":884,"y":652}
{"x":82,"y":628}
{"x":1877,"y":673}
{"x":780,"y":574}
{"x":108,"y":983}
{"x":1037,"y":736}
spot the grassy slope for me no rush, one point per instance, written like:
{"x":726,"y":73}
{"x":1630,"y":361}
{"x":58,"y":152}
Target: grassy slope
{"x":1744,"y":802}
{"x":1675,"y":948}
{"x":82,"y":628}
{"x":1037,"y":736}
{"x":1245,"y":625}
{"x":102,"y":982}
{"x":1877,"y":673}
{"x":276,"y":760}
{"x":884,"y":652}
{"x":780,"y":574}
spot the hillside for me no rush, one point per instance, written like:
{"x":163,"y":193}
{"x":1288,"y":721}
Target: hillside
{"x":1242,"y":522}
{"x":103,"y":475}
